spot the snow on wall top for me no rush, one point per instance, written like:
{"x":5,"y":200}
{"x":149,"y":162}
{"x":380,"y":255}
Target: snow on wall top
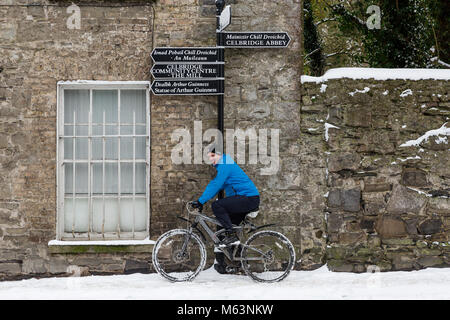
{"x":380,"y":74}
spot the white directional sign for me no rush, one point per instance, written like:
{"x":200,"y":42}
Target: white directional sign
{"x":225,"y":18}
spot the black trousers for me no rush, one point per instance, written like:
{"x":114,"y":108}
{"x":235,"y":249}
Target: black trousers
{"x":232,"y":210}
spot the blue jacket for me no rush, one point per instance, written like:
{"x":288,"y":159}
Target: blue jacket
{"x":231,"y":178}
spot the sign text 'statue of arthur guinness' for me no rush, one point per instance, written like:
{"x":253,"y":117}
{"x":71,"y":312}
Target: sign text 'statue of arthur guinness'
{"x":188,"y":87}
{"x":188,"y":70}
{"x":181,"y":54}
{"x":255,"y":39}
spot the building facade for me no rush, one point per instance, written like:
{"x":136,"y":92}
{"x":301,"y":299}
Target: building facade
{"x":86,"y":150}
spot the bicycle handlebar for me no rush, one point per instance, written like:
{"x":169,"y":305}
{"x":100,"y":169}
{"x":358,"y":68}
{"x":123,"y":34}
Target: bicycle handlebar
{"x":190,"y":209}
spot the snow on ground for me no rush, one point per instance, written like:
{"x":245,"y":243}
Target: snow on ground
{"x":380,"y":74}
{"x":431,"y":283}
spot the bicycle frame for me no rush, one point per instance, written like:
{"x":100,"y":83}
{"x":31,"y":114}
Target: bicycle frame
{"x":201,"y":219}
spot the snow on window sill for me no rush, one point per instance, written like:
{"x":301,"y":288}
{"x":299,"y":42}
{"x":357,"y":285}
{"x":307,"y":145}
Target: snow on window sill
{"x":106,"y":246}
{"x":145,"y":241}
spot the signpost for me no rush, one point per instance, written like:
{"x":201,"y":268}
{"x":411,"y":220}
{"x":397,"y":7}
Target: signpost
{"x":200,"y":70}
{"x":224,"y":18}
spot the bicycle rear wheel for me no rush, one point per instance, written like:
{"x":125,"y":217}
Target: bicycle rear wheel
{"x":268,"y":256}
{"x":179,"y":255}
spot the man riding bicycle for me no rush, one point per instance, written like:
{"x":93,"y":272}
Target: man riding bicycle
{"x":242,"y":196}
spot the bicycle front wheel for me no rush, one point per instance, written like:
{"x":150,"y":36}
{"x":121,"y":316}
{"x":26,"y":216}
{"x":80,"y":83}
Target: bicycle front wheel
{"x":268,"y":256}
{"x":179,"y":255}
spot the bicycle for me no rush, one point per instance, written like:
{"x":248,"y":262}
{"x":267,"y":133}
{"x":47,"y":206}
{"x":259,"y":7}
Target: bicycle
{"x":180,"y":254}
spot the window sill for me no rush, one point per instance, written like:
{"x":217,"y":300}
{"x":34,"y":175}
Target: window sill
{"x":111,"y":246}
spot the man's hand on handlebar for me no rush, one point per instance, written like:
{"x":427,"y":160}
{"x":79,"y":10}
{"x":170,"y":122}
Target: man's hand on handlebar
{"x":197,"y":205}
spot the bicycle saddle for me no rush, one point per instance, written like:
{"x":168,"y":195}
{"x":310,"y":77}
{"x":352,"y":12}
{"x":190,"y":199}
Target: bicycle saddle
{"x":253,"y":214}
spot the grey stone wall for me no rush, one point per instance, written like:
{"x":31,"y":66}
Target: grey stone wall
{"x":387,"y":205}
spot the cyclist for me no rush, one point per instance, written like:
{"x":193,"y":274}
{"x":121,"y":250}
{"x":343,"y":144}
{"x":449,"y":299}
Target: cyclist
{"x":242,"y":196}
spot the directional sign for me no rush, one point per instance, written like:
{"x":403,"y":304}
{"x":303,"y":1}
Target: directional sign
{"x":181,"y":54}
{"x":188,"y":70}
{"x":188,"y":87}
{"x":255,"y":39}
{"x":225,"y":18}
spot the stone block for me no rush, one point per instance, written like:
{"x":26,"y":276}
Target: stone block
{"x":339,"y":266}
{"x":377,"y":187}
{"x":136,"y":266}
{"x":403,"y":200}
{"x":358,"y":117}
{"x":11,"y":268}
{"x":430,"y":226}
{"x":430,"y":261}
{"x":414,"y":177}
{"x":347,"y":200}
{"x":343,"y":161}
{"x":390,"y":227}
{"x":34,"y":266}
{"x":352,"y":238}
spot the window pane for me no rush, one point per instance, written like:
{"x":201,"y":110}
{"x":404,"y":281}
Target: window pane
{"x":68,"y":130}
{"x":97,"y":148}
{"x":81,"y":178}
{"x":140,"y":129}
{"x":81,"y":219}
{"x":126,"y":215}
{"x":111,"y":148}
{"x":76,"y":101}
{"x":140,"y":178}
{"x":105,"y":101}
{"x":126,"y":130}
{"x":126,"y":148}
{"x":111,"y":180}
{"x":97,"y":130}
{"x":126,"y":178}
{"x":132,"y":101}
{"x":81,"y":148}
{"x":140,"y":148}
{"x":110,"y":209}
{"x":68,"y":148}
{"x":97,"y":178}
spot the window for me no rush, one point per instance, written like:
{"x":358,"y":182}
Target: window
{"x":103,"y":160}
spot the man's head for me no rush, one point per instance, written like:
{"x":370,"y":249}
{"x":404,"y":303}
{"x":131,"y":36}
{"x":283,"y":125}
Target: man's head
{"x":214,"y":155}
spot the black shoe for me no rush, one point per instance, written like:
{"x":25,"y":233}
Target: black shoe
{"x":230,"y":238}
{"x":220,"y":268}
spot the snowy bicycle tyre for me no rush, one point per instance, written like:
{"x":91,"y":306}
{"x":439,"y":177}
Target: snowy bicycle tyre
{"x":165,"y":242}
{"x":276,"y":242}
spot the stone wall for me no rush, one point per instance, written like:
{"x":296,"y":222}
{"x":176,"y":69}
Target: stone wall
{"x":387,"y":205}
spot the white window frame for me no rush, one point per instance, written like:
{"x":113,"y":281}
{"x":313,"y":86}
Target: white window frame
{"x":60,"y":184}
